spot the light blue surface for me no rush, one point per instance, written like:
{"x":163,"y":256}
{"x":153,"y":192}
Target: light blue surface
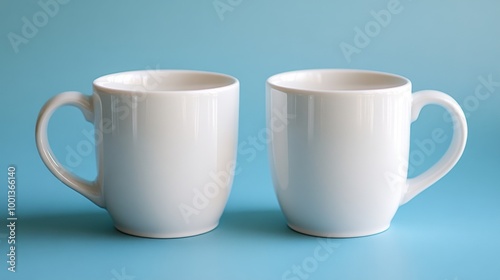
{"x":451,"y":231}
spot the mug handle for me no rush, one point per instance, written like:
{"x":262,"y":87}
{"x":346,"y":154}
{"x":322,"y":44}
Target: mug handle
{"x":450,"y":158}
{"x":91,"y":190}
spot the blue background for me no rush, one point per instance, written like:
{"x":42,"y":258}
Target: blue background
{"x":451,"y":231}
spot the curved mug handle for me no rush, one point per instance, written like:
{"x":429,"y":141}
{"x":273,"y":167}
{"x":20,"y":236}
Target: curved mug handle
{"x":91,"y":190}
{"x":450,"y":158}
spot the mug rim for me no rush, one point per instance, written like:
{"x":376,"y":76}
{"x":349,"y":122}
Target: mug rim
{"x":291,"y":76}
{"x":109,"y":84}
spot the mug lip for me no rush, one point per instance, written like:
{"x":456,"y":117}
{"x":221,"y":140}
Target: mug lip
{"x":272,"y":82}
{"x":98,"y":83}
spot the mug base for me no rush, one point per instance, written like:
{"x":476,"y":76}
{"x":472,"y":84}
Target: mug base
{"x":344,"y":234}
{"x":180,"y":234}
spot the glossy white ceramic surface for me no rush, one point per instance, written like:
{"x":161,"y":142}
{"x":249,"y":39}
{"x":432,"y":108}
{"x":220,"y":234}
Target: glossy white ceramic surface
{"x":340,"y":161}
{"x":166,"y":148}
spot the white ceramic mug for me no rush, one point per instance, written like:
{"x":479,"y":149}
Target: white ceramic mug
{"x":166,"y":145}
{"x":340,"y":161}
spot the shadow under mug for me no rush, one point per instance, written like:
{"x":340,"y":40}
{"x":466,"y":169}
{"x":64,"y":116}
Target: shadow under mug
{"x":166,"y":144}
{"x":339,"y":148}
